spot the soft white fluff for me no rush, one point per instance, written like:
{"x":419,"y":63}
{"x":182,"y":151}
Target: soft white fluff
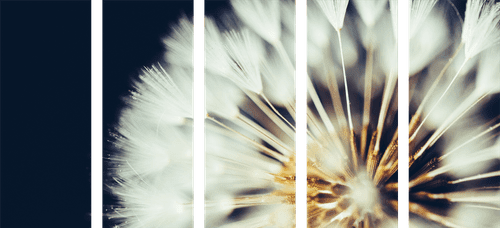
{"x":262,"y":16}
{"x":418,"y":14}
{"x":481,"y":29}
{"x":334,"y":11}
{"x":370,"y":11}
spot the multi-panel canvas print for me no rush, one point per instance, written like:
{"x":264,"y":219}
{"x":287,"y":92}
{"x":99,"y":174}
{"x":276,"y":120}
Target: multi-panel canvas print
{"x":351,"y":137}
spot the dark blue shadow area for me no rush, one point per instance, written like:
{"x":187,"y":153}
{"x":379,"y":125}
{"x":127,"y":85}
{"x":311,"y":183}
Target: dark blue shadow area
{"x":45,"y":114}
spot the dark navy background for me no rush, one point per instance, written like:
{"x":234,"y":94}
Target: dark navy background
{"x":45,"y":114}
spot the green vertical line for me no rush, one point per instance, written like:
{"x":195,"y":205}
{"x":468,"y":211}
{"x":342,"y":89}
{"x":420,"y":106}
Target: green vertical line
{"x":198,"y":117}
{"x":403,"y":216}
{"x":96,"y":113}
{"x":301,"y":115}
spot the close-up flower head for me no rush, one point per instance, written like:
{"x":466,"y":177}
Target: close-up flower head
{"x":352,"y":118}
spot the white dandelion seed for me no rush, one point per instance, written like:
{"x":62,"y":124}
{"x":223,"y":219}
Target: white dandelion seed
{"x":481,"y":26}
{"x":335,"y":11}
{"x":245,"y":51}
{"x":352,"y":128}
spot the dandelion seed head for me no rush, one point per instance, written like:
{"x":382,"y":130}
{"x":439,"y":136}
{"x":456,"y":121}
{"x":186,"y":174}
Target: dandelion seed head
{"x":351,"y":168}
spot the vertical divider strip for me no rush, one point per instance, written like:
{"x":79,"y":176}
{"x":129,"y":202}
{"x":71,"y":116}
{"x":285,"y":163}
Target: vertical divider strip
{"x":96,"y":115}
{"x":403,"y":112}
{"x":301,"y":121}
{"x":199,"y":115}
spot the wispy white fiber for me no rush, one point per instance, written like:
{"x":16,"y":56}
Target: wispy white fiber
{"x":431,"y":39}
{"x":141,"y":140}
{"x":287,"y":9}
{"x":216,"y":57}
{"x":287,"y":12}
{"x":349,"y":48}
{"x":488,"y":79}
{"x":418,"y":14}
{"x":223,"y":97}
{"x":481,"y":26}
{"x":160,"y":97}
{"x":180,"y":43}
{"x":454,"y":97}
{"x":153,"y":204}
{"x":471,"y":159}
{"x":318,"y":34}
{"x":458,"y":67}
{"x":472,"y":216}
{"x":245,"y":51}
{"x":263,"y":16}
{"x":370,"y":11}
{"x":388,"y":47}
{"x":279,"y":83}
{"x":393,"y":7}
{"x":335,"y":11}
{"x":374,"y":35}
